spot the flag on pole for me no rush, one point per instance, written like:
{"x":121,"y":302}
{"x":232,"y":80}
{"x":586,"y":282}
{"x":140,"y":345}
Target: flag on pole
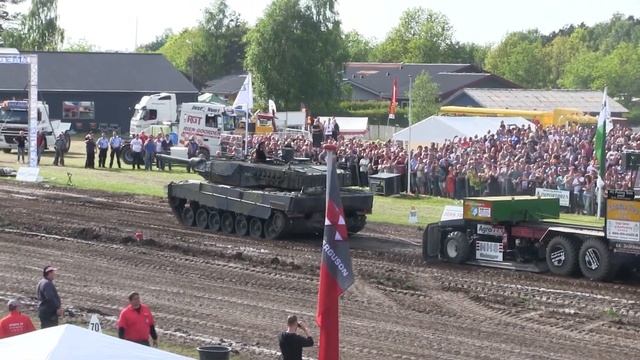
{"x":604,"y":125}
{"x":336,"y":275}
{"x":245,"y":96}
{"x":272,"y":108}
{"x":394,"y":96}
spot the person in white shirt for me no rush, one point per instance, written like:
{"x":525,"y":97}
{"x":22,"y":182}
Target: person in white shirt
{"x":136,"y":151}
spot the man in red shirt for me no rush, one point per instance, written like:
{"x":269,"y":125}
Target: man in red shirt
{"x":15,"y":323}
{"x":136,"y":322}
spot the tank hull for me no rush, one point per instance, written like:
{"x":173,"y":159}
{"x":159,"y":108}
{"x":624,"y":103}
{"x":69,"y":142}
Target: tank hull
{"x":279,"y":212}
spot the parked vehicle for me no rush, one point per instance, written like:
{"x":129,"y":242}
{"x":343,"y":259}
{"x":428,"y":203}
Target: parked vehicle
{"x":14,"y":117}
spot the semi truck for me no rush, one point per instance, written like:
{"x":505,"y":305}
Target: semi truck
{"x":523,"y":233}
{"x":14,"y":118}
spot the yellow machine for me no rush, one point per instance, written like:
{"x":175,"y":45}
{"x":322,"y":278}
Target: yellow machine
{"x":260,"y":124}
{"x":555,"y":117}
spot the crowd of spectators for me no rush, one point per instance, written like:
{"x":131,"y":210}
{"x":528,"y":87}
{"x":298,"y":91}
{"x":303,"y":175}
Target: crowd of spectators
{"x":508,"y":161}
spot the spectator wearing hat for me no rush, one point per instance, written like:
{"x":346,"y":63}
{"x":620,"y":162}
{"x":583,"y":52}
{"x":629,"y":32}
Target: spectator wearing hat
{"x":136,"y":322}
{"x":15,"y":323}
{"x":50,"y":306}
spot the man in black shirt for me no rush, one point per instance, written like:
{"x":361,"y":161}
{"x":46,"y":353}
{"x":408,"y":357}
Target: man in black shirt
{"x":291,"y":344}
{"x":49,"y":306}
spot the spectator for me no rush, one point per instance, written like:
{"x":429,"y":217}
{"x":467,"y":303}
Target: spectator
{"x":291,"y":343}
{"x":158,"y":150}
{"x":103,"y":147}
{"x":136,"y":322}
{"x":49,"y":306}
{"x":60,"y":147}
{"x":136,"y":151}
{"x":192,"y":150}
{"x":149,"y":151}
{"x":116,"y":144}
{"x":41,"y":142}
{"x":21,"y":140}
{"x":166,"y":149}
{"x":335,"y":129}
{"x":90,"y":144}
{"x":15,"y":323}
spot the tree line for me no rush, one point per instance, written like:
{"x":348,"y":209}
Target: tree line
{"x":297,"y":49}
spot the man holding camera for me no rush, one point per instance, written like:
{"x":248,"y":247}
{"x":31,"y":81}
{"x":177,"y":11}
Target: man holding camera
{"x":291,"y":343}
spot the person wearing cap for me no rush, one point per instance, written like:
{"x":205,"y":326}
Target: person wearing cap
{"x":50,"y":306}
{"x":136,"y":322}
{"x":15,"y":323}
{"x":291,"y":343}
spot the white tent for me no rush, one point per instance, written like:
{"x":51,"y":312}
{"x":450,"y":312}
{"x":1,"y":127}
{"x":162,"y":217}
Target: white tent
{"x":437,"y":129}
{"x":350,"y":126}
{"x":70,"y":342}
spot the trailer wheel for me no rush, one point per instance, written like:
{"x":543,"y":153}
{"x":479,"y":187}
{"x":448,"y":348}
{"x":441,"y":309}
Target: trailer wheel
{"x":255,"y":228}
{"x":456,"y":247}
{"x":202,"y":218}
{"x":242,"y":225}
{"x":562,"y":256}
{"x":6,"y":151}
{"x":227,"y":223}
{"x":214,"y":221}
{"x":275,"y":225}
{"x":188,"y":216}
{"x":596,"y":261}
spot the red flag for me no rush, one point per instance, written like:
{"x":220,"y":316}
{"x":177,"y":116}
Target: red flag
{"x":335,"y":268}
{"x":394,"y":103}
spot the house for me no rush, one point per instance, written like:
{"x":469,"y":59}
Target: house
{"x":226,"y":87}
{"x":587,"y":101}
{"x":95,"y":90}
{"x":373,"y":81}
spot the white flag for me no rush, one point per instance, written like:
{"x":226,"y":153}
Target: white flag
{"x":244,"y":99}
{"x":272,"y":107}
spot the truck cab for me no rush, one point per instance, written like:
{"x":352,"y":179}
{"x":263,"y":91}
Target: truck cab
{"x":212,"y":126}
{"x":156,"y":109}
{"x":14,"y":117}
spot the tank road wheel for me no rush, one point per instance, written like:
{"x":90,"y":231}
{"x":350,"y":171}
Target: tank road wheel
{"x":214,"y":221}
{"x":456,"y":247}
{"x":595,"y":260}
{"x":227,"y":223}
{"x":188,"y":216}
{"x":242,"y":225}
{"x":202,"y":218}
{"x":562,"y":256}
{"x":356,"y":223}
{"x":255,"y":228}
{"x":275,"y":225}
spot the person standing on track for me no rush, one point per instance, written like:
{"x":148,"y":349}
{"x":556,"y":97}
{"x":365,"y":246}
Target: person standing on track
{"x":291,"y":344}
{"x":50,"y":306}
{"x":136,"y":322}
{"x":15,"y":323}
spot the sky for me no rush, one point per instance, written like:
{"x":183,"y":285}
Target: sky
{"x":111,"y":25}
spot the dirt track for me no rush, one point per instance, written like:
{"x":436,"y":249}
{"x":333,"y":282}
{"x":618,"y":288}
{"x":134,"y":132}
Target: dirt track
{"x":209,"y":286}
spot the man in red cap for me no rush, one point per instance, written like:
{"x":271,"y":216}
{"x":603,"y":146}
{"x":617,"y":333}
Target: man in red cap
{"x":15,"y":323}
{"x":50,"y":306}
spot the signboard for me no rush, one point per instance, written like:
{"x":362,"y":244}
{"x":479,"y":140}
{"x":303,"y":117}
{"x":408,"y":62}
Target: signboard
{"x":492,"y":251}
{"x":484,"y":229}
{"x":94,"y":324}
{"x":413,"y":215}
{"x":622,"y":230}
{"x":563,"y":195}
{"x":477,"y":210}
{"x":451,"y":212}
{"x":623,"y":210}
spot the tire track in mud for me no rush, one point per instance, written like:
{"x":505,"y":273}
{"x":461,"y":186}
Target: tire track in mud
{"x":207,"y":285}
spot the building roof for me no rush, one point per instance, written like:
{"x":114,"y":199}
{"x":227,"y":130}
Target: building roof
{"x":98,"y":72}
{"x":377,"y":78}
{"x":588,"y":101}
{"x":226,"y":85}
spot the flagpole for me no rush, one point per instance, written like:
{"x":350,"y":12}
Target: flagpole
{"x":246,"y":131}
{"x":409,"y":143}
{"x":602,"y":161}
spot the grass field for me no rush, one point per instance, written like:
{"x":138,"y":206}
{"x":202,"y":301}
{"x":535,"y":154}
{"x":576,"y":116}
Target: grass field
{"x":391,"y":210}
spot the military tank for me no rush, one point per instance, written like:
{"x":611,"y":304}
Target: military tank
{"x":262,"y":200}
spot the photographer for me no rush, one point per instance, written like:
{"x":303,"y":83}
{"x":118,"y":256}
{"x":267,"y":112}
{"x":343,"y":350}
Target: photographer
{"x":291,"y":344}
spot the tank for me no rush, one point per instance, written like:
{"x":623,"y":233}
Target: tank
{"x":267,"y":200}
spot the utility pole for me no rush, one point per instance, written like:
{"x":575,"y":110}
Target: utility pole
{"x":409,"y":157}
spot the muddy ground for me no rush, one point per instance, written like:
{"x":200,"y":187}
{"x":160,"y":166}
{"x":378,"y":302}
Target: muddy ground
{"x":208,"y":287}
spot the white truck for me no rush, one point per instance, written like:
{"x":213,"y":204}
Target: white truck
{"x":156,"y":109}
{"x":14,"y":117}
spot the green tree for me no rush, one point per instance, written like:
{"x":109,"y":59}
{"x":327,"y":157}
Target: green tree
{"x":38,"y":30}
{"x":424,"y":98}
{"x":422,"y":36}
{"x":223,"y":49}
{"x":157,"y":43}
{"x":357,"y":46}
{"x":521,"y":59}
{"x":295,"y":53}
{"x":8,"y":15}
{"x":561,"y":52}
{"x":180,"y":50}
{"x":468,"y":53}
{"x":81,"y":45}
